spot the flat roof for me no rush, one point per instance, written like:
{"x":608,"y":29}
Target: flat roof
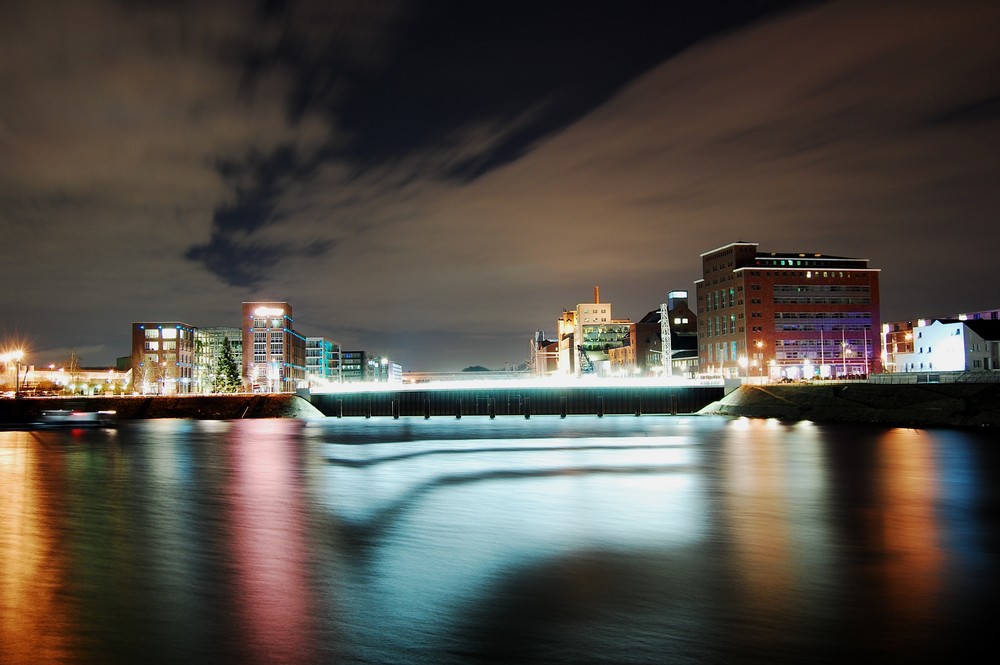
{"x":732,"y":244}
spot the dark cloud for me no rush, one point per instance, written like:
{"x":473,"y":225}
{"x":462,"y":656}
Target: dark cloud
{"x":398,"y":82}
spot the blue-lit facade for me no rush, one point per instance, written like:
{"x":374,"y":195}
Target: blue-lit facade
{"x":274,"y":354}
{"x":322,"y":360}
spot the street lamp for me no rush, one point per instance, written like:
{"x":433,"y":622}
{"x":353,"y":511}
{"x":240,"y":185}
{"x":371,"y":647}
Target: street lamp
{"x":744,"y":362}
{"x":760,"y":357}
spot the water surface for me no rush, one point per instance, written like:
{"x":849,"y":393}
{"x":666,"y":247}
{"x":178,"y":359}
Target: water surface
{"x":617,"y":540}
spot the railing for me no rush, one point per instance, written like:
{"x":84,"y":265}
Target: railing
{"x":901,"y":378}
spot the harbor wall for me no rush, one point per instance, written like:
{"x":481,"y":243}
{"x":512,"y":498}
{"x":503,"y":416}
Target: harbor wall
{"x":902,"y":405}
{"x":207,"y":407}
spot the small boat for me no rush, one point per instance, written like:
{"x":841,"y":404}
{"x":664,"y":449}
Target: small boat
{"x":75,"y":418}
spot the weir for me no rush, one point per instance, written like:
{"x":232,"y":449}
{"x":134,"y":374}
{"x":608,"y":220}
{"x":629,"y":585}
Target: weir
{"x":523,"y":401}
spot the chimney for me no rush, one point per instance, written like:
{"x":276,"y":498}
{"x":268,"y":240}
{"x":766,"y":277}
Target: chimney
{"x":597,"y":294}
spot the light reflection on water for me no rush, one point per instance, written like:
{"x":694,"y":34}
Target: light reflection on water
{"x":620,"y":539}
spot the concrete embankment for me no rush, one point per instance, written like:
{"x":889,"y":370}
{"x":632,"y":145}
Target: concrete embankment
{"x":925,"y":405}
{"x":215,"y":407}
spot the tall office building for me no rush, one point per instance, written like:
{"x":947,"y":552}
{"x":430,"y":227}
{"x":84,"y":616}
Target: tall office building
{"x":787,"y":315}
{"x":274,"y":355}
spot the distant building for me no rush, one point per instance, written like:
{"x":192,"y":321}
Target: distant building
{"x":898,"y":336}
{"x":353,"y":365}
{"x":544,"y":354}
{"x":587,"y":334}
{"x":362,"y":366}
{"x":383,"y":370}
{"x":944,"y":345}
{"x":163,"y":358}
{"x":274,"y":354}
{"x":208,"y":350}
{"x":322,"y":361}
{"x":683,"y":348}
{"x":787,"y":314}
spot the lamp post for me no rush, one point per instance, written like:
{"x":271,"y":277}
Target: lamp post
{"x":744,"y":363}
{"x":760,"y":358}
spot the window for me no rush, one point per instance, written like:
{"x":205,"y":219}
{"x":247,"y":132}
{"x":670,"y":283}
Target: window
{"x":151,"y":346}
{"x":152,"y":333}
{"x":170,"y":333}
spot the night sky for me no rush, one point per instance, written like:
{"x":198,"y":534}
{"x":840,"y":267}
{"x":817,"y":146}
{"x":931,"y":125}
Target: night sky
{"x":436,"y":181}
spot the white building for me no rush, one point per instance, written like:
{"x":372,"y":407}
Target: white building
{"x":945,"y":345}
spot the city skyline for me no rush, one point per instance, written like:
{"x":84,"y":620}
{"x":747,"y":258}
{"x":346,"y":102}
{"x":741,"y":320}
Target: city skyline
{"x":435,"y":182}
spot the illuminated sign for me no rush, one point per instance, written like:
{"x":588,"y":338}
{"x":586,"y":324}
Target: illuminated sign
{"x":268,"y":311}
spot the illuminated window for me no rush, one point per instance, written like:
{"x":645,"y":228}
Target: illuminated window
{"x":152,"y":346}
{"x":170,"y":333}
{"x":152,"y":332}
{"x":171,"y":345}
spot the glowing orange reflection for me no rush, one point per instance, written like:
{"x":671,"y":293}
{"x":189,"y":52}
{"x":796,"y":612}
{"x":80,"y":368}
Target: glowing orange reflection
{"x":757,"y":505}
{"x":905,"y":528}
{"x":33,"y":611}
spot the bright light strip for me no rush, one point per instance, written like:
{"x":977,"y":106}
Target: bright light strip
{"x":511,"y":384}
{"x":268,"y":311}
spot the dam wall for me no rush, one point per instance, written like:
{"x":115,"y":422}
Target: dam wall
{"x":901,"y":405}
{"x":518,"y":401}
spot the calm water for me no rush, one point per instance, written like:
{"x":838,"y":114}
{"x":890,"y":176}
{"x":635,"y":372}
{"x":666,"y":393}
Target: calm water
{"x":614,"y":540}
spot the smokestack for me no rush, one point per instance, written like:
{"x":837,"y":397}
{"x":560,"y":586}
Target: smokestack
{"x":597,"y":294}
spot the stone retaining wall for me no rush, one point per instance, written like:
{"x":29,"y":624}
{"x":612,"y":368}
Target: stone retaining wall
{"x":208,"y":407}
{"x":928,"y":405}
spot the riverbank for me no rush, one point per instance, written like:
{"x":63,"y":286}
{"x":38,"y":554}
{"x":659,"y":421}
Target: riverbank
{"x":924,"y":405}
{"x":206,"y":407}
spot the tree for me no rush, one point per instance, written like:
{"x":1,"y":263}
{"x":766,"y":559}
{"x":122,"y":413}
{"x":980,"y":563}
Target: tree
{"x":227,"y":376}
{"x":73,"y":370}
{"x":476,"y":368}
